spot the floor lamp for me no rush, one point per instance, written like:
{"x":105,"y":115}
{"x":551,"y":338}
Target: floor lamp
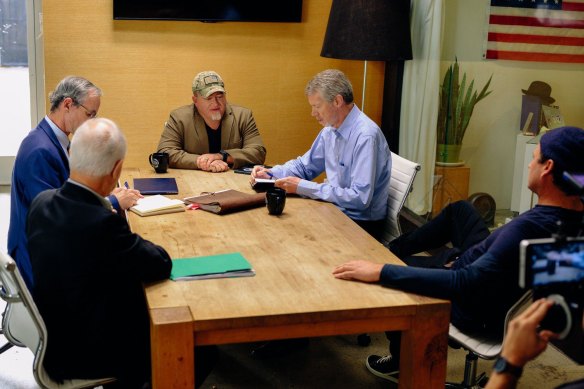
{"x":372,"y":30}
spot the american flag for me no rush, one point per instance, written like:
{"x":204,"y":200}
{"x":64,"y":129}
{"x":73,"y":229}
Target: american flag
{"x":536,"y":30}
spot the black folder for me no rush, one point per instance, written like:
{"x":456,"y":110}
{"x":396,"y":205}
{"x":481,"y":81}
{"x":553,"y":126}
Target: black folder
{"x":152,"y":186}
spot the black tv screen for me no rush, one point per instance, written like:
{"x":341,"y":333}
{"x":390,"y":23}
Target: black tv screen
{"x":210,"y":11}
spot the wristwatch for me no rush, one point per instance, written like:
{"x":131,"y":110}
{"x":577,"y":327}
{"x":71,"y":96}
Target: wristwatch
{"x":503,"y":366}
{"x":224,"y":154}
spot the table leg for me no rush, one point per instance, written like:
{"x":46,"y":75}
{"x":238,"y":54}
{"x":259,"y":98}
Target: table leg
{"x":172,"y":348}
{"x":424,"y":349}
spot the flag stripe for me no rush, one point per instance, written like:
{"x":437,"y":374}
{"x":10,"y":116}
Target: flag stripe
{"x":566,"y":6}
{"x":522,"y":56}
{"x":554,"y":49}
{"x":543,"y":39}
{"x":525,"y":30}
{"x":541,"y":22}
{"x":533,"y":31}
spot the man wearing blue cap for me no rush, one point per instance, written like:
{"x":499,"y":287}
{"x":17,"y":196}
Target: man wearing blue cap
{"x":480,"y":277}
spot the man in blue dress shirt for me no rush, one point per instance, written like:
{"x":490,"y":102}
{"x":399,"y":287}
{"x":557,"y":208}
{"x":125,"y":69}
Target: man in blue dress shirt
{"x":350,"y":149}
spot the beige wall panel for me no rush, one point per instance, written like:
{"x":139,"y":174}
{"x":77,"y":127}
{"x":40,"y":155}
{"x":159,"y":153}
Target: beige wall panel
{"x":145,"y":69}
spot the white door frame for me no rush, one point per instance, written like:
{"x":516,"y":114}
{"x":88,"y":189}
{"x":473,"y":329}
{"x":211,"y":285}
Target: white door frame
{"x":36,"y":71}
{"x":36,"y":60}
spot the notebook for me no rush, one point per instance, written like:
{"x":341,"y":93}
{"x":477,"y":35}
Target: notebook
{"x":262,"y":184}
{"x":157,"y":205}
{"x":153,"y":186}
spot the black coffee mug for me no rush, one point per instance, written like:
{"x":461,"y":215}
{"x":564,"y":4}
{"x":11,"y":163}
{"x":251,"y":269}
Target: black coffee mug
{"x":275,"y":200}
{"x":159,"y":162}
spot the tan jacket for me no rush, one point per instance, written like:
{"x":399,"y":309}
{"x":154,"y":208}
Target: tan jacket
{"x":184,"y":137}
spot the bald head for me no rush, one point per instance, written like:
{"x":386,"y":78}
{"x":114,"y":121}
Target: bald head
{"x":96,"y":146}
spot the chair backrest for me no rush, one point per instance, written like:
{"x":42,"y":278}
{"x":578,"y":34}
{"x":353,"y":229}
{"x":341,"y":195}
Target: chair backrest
{"x":488,"y":346}
{"x":23,"y":325}
{"x":403,"y":173}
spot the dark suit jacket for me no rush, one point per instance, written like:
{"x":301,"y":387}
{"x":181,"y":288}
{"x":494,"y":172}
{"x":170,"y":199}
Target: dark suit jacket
{"x":89,"y":269}
{"x":40,"y":164}
{"x":184,"y":137}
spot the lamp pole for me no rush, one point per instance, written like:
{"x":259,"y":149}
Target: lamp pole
{"x":364,"y":86}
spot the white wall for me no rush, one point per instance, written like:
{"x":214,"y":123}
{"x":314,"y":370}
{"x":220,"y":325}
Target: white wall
{"x":489,"y":144}
{"x":15,"y":114}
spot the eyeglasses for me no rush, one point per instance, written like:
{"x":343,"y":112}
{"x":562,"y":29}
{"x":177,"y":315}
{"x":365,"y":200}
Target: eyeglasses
{"x":90,"y":114}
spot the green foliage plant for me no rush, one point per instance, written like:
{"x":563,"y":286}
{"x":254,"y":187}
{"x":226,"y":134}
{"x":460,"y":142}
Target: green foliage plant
{"x":457,"y":102}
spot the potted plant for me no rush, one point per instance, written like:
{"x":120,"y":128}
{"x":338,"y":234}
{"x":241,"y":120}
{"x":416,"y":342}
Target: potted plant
{"x":457,"y":102}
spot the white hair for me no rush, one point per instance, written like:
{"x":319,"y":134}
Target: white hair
{"x":96,"y":146}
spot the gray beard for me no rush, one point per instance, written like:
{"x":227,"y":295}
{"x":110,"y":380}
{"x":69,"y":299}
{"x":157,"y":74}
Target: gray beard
{"x":215,"y":116}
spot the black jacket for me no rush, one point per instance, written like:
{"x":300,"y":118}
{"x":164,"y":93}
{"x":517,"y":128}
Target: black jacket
{"x":89,"y":269}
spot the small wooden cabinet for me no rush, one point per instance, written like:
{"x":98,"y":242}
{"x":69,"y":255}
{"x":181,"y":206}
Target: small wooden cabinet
{"x":450,"y":185}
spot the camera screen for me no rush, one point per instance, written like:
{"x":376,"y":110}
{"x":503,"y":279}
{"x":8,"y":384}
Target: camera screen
{"x":548,"y":262}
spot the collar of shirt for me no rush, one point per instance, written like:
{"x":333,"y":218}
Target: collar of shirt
{"x":104,"y":201}
{"x":61,"y":136}
{"x":345,"y":128}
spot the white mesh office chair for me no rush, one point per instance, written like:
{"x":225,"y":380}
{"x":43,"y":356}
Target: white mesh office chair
{"x":481,"y":346}
{"x":403,"y":173}
{"x":23,"y":326}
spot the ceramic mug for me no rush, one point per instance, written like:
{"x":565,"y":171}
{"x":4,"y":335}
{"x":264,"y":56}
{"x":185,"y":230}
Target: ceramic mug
{"x":275,"y":200}
{"x":159,"y":162}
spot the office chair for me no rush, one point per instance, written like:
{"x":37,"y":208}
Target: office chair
{"x":7,"y":346}
{"x":481,"y":346}
{"x":403,"y":173}
{"x":23,"y":326}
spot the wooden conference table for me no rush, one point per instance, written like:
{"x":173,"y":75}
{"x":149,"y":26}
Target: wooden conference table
{"x":293,"y":293}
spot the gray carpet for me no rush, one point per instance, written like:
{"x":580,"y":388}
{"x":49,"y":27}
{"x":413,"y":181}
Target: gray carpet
{"x":339,"y":362}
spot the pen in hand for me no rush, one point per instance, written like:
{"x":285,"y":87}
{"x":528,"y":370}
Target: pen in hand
{"x":271,"y":175}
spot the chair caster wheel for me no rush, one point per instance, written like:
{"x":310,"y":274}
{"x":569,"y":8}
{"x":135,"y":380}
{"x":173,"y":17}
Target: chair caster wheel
{"x":364,"y":340}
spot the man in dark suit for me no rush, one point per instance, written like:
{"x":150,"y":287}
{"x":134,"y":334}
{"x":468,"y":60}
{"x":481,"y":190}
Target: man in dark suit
{"x":42,"y":160}
{"x":89,"y":267}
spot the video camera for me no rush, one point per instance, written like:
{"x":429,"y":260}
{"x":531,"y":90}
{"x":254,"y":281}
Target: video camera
{"x":554,"y":268}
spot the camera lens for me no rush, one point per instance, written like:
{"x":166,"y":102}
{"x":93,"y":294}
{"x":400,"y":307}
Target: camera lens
{"x":558,"y":319}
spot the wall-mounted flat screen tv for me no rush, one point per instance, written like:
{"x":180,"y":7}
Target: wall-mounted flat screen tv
{"x":210,"y":11}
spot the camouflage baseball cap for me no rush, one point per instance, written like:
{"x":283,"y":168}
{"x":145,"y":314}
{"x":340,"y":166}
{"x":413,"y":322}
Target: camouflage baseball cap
{"x":208,"y":82}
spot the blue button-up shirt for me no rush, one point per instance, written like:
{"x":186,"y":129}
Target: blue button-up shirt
{"x":357,"y":163}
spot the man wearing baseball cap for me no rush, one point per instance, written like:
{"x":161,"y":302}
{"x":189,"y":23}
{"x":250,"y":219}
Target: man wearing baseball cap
{"x":481,"y":281}
{"x":211,"y":134}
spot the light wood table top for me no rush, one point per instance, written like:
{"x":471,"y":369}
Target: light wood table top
{"x":293,"y":293}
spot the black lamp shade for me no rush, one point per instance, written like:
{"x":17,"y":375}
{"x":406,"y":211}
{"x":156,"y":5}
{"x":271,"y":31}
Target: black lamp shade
{"x":371,"y":30}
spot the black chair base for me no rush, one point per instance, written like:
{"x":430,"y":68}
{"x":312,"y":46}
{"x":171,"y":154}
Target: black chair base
{"x":471,"y":380}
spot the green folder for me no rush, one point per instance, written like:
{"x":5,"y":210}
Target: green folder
{"x":212,"y":266}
